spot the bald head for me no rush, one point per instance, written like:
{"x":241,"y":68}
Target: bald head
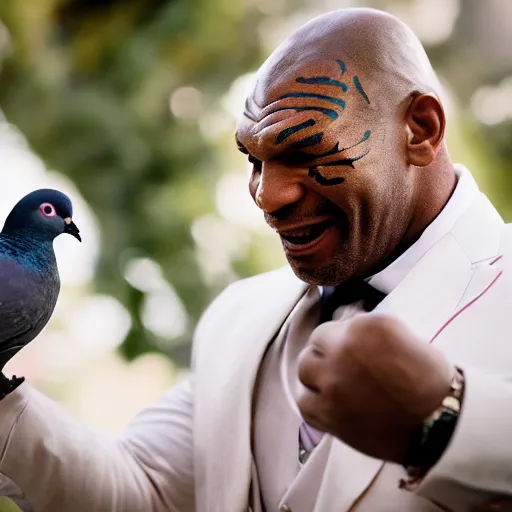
{"x":380,"y":49}
{"x":345,"y":126}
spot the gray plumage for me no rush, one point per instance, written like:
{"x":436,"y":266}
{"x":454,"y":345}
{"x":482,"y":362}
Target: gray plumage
{"x":29,"y":278}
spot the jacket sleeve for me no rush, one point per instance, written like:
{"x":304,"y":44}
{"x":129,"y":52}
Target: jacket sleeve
{"x":477,"y":464}
{"x":51,"y":462}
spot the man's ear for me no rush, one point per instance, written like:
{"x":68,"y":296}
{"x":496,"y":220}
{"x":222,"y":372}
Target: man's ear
{"x":425,"y":121}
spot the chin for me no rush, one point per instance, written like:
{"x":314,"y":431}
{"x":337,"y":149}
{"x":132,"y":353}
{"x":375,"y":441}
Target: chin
{"x":331,"y":274}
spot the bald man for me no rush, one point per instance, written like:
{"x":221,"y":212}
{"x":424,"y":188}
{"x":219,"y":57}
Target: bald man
{"x":374,"y":377}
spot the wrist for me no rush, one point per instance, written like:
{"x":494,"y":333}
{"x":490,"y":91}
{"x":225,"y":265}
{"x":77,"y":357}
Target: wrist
{"x":431,"y":440}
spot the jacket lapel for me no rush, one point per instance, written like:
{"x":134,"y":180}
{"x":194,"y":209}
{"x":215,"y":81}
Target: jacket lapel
{"x":441,"y":286}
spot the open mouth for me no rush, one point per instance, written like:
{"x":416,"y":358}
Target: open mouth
{"x":307,"y":235}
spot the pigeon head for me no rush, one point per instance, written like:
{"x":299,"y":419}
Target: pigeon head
{"x":42,"y":214}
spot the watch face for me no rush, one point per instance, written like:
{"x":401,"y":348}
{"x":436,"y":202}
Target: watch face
{"x":452,"y":403}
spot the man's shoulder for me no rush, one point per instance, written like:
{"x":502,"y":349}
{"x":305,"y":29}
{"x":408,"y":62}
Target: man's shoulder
{"x":505,"y":252}
{"x":503,"y":259}
{"x":507,"y":232}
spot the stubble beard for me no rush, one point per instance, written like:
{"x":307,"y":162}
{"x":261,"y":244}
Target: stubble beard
{"x":341,"y":268}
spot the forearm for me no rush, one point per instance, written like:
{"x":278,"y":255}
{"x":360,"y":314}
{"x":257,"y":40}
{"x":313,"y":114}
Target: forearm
{"x":59,"y":464}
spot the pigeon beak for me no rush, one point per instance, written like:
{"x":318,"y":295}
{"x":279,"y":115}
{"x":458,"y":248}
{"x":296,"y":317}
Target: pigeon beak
{"x":71,"y":228}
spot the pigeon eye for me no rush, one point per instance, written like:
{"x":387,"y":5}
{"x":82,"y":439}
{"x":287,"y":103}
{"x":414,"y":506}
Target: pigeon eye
{"x":48,"y":210}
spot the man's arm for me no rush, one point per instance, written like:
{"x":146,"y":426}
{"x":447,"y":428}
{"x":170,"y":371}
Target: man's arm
{"x":372,"y":383}
{"x":478,"y":459}
{"x":59,"y":464}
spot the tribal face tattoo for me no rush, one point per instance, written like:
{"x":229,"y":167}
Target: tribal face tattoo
{"x":333,"y":112}
{"x":331,"y":107}
{"x":320,"y":174}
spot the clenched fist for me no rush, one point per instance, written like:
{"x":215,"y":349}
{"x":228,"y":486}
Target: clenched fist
{"x":371,"y":382}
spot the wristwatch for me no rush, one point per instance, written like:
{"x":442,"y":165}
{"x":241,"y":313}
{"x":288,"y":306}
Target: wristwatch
{"x":432,"y":438}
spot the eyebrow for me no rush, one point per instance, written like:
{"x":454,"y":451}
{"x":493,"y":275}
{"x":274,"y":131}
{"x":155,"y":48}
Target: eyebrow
{"x":290,"y":155}
{"x":284,"y":155}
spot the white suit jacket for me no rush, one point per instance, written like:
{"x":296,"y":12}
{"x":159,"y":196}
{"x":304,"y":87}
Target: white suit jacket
{"x":191,"y":451}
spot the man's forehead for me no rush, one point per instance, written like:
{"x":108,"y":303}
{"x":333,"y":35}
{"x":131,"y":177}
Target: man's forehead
{"x":285,"y":75}
{"x":302,"y":104}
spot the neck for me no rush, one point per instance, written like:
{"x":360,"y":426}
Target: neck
{"x":435,"y":189}
{"x":436,"y":185}
{"x":27,"y":235}
{"x":32,"y":252}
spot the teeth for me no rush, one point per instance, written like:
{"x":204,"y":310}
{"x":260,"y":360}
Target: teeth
{"x":305,"y":235}
{"x":304,"y":232}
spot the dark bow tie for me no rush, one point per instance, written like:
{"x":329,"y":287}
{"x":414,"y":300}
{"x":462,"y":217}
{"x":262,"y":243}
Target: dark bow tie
{"x":349,"y":292}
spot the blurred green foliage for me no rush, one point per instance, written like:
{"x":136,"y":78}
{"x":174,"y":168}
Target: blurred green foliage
{"x":7,"y":505}
{"x":89,"y":83}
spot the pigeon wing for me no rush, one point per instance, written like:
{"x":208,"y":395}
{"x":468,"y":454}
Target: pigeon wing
{"x":18,"y":306}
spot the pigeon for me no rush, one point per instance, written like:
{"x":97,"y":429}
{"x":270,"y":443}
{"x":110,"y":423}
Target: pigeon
{"x":29,"y":277}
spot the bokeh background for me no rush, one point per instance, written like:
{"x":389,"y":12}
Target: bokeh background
{"x":129,"y":107}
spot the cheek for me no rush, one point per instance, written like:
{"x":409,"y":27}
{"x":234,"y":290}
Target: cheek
{"x":361,"y":199}
{"x":383,"y":208}
{"x":347,"y":197}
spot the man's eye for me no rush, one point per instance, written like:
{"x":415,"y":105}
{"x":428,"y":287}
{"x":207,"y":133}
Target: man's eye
{"x":254,"y":161}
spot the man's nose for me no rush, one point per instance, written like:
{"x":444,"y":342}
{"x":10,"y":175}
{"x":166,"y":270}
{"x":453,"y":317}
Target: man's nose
{"x":277,"y":186}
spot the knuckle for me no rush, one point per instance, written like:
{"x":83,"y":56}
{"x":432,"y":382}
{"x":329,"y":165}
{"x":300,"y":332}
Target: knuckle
{"x":306,"y":368}
{"x":303,"y":368}
{"x":371,"y":325}
{"x":323,"y":332}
